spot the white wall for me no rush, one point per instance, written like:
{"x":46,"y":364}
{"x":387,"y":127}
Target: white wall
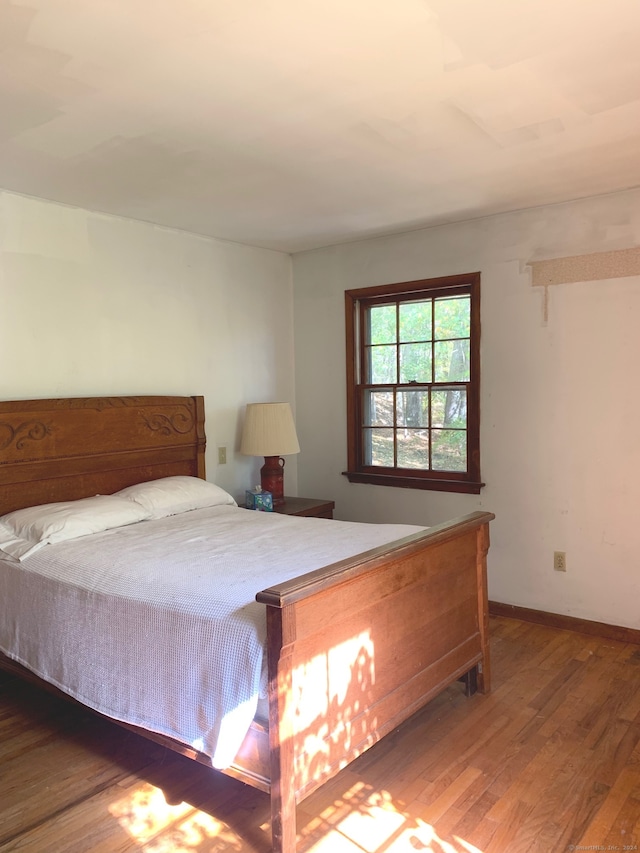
{"x":97,"y":305}
{"x":559,"y":412}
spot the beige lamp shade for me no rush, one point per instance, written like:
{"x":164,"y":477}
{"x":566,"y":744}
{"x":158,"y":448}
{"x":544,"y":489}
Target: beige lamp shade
{"x":269,"y":430}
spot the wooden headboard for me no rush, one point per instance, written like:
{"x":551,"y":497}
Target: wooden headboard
{"x":53,"y":450}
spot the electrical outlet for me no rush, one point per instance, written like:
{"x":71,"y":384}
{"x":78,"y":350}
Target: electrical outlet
{"x":222,"y":456}
{"x":560,"y":561}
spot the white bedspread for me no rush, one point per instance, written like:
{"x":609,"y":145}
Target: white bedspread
{"x":156,"y":624}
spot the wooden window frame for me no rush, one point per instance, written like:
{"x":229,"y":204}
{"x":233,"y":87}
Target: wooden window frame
{"x":356,"y":301}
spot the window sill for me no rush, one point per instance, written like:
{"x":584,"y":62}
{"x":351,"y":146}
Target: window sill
{"x":401,"y":482}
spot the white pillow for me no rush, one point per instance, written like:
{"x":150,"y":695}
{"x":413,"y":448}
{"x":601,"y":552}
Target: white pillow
{"x":172,"y":495}
{"x":26,"y":530}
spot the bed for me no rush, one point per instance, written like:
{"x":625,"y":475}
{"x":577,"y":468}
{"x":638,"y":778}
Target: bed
{"x":420,"y":602}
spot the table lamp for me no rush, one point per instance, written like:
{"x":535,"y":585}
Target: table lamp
{"x":269,"y":431}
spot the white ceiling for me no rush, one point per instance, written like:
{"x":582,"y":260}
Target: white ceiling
{"x":293,"y":124}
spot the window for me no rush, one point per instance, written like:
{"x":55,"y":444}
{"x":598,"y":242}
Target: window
{"x":413,"y":384}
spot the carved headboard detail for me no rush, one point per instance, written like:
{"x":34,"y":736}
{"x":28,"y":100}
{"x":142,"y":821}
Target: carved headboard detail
{"x":64,"y":449}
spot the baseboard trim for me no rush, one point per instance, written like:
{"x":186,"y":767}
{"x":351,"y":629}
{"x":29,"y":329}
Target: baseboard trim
{"x":568,"y":623}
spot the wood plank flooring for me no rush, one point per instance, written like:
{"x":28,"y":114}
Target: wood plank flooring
{"x":549,"y":761}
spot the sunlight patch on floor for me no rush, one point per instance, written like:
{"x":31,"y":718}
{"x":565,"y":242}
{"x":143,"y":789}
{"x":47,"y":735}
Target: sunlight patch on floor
{"x":145,"y":812}
{"x":362,"y":820}
{"x":161,"y":827}
{"x":367,"y":821}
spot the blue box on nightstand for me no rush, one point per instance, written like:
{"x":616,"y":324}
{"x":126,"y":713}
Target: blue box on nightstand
{"x":262,"y":501}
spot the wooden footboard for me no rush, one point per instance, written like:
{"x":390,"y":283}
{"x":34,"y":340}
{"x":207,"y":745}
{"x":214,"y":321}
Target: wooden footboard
{"x":356,"y":648}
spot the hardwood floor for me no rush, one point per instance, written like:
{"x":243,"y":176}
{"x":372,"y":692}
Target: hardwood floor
{"x":549,"y":761}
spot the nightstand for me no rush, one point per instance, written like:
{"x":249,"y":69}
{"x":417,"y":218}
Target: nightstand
{"x":306,"y":506}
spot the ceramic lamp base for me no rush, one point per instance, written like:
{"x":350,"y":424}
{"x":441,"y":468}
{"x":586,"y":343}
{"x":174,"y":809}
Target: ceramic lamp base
{"x":272,"y":478}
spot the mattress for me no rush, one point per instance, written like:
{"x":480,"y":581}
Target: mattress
{"x":156,"y":624}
